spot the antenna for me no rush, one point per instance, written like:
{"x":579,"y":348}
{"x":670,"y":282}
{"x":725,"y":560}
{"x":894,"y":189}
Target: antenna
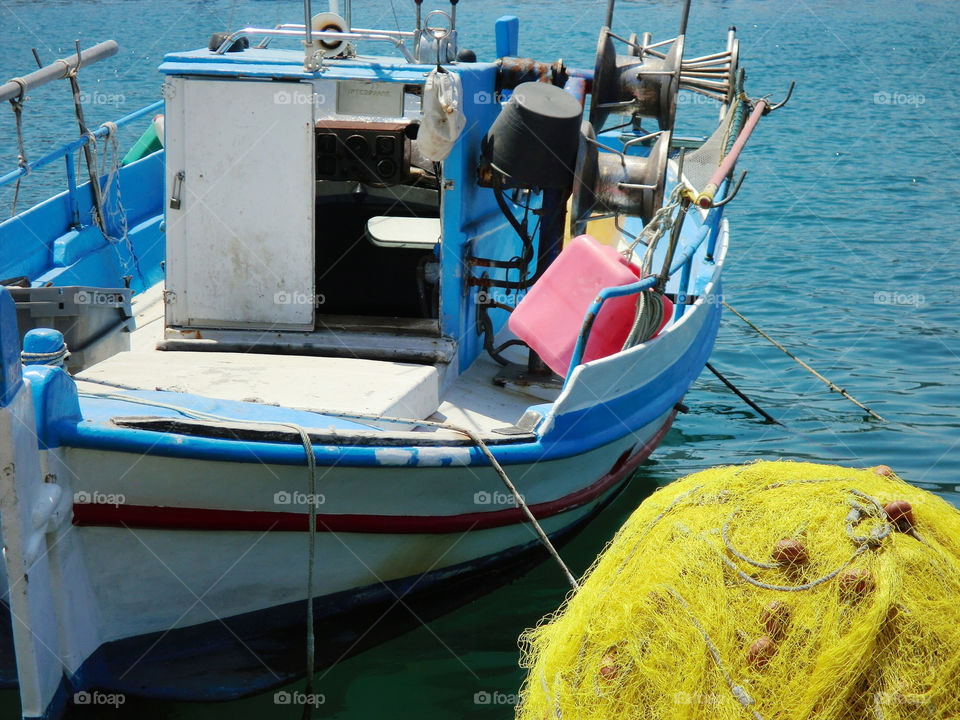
{"x":308,"y":20}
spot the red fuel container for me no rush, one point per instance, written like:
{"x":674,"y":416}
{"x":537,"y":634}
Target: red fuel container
{"x":550,"y":316}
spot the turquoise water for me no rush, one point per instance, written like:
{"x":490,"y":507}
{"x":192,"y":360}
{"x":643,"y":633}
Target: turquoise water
{"x":844,"y":247}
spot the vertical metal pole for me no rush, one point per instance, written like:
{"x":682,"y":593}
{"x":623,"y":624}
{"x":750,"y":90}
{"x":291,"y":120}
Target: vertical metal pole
{"x":683,"y":289}
{"x":684,"y":17}
{"x":347,"y":12}
{"x":731,"y":36}
{"x":609,"y":21}
{"x":72,"y":190}
{"x":308,"y":21}
{"x":552,"y":220}
{"x":95,"y":190}
{"x":714,"y":218}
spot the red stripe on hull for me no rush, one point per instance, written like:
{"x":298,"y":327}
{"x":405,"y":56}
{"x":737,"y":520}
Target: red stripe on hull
{"x":179,"y":518}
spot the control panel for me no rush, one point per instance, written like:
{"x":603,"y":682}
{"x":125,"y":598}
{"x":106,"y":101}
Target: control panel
{"x":376,"y":153}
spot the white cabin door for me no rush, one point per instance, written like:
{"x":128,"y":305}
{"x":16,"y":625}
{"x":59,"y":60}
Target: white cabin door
{"x":240,"y":241}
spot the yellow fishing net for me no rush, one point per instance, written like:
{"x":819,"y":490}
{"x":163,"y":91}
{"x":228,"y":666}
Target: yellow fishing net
{"x":777,"y":590}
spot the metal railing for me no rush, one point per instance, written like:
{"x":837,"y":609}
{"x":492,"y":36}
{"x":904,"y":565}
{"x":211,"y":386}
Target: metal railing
{"x":682,"y":262}
{"x":300,"y":32}
{"x":66,"y":151}
{"x":57,"y":70}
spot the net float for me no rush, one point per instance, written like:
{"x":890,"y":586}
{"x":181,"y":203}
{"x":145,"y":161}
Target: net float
{"x":900,"y":512}
{"x":775,"y":618}
{"x":790,"y":552}
{"x":760,"y":652}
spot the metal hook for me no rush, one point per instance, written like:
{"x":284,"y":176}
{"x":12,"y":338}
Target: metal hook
{"x":736,"y":189}
{"x":770,"y":108}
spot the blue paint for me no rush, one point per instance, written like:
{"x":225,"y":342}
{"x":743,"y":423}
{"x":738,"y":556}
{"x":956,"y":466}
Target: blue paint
{"x":55,"y":401}
{"x":45,"y":245}
{"x":684,"y":254}
{"x":507,"y":33}
{"x":72,"y":194}
{"x":75,"y":145}
{"x":594,"y":427}
{"x":10,"y":373}
{"x":681,"y":304}
{"x":39,"y":342}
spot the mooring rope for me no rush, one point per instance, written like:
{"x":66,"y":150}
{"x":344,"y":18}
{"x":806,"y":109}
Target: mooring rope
{"x":736,"y":391}
{"x":804,"y":365}
{"x":17,"y":105}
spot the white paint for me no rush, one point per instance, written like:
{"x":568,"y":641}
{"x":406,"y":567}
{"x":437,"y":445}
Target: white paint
{"x":294,"y":381}
{"x":139,"y":578}
{"x":240,"y":253}
{"x":31,"y":599}
{"x":404,"y":232}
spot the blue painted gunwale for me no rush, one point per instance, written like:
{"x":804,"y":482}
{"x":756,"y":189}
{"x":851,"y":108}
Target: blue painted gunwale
{"x":595,"y":427}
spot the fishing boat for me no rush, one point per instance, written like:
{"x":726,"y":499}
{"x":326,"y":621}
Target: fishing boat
{"x":342,"y":343}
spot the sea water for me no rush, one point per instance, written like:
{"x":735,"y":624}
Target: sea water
{"x":844,"y":247}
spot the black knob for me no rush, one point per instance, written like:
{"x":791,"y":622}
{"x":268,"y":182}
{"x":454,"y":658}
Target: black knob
{"x":358,"y":147}
{"x":386,"y":168}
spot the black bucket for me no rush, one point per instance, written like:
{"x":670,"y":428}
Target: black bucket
{"x":534,"y":140}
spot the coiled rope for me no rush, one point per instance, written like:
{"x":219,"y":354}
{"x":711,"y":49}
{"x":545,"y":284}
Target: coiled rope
{"x":649,"y":314}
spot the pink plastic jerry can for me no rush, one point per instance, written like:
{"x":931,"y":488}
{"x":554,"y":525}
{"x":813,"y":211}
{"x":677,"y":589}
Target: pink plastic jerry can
{"x":550,"y":316}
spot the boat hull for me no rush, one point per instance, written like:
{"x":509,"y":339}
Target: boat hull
{"x":175,"y":620}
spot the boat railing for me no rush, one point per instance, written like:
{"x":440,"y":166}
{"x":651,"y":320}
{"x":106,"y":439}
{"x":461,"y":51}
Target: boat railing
{"x":67,"y":151}
{"x":682,"y":262}
{"x":58,"y":69}
{"x":299,"y":32}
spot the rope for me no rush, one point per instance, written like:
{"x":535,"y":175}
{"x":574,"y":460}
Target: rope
{"x":54,"y":358}
{"x":856,"y":514}
{"x":738,"y":691}
{"x":118,"y":215}
{"x":476,"y":439}
{"x":736,"y":391}
{"x":649,"y":314}
{"x":22,"y":163}
{"x":804,"y":365}
{"x":312,"y":537}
